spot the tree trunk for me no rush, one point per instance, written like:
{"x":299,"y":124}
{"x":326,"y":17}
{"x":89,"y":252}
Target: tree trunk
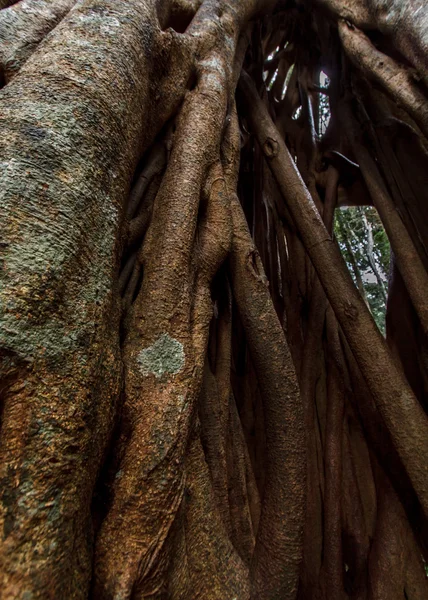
{"x":195,"y":401}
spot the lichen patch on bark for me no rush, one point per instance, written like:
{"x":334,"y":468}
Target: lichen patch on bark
{"x":165,"y":356}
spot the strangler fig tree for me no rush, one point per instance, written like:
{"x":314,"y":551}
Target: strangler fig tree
{"x":195,"y":399}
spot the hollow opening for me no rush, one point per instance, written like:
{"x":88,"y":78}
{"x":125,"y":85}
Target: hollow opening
{"x":365,"y":247}
{"x":178,"y":19}
{"x":324,"y":112}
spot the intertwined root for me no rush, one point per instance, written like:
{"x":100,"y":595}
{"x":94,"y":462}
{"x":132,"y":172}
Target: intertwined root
{"x":262,"y":442}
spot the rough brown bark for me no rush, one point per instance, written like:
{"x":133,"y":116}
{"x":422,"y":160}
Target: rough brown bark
{"x":406,"y":23}
{"x":194,"y":399}
{"x":280,"y":529}
{"x":350,"y":309}
{"x":383,"y":70}
{"x":23,"y":26}
{"x":58,"y":332}
{"x":407,"y":257}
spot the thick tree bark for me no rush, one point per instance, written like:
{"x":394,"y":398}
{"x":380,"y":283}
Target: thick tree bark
{"x":23,"y":26}
{"x":406,"y":23}
{"x":409,"y":261}
{"x":67,"y":160}
{"x":281,"y":523}
{"x":383,"y":70}
{"x":195,"y":401}
{"x":403,"y":416}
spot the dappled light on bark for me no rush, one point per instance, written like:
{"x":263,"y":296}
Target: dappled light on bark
{"x":195,"y":399}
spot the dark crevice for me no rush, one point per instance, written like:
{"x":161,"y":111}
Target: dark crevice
{"x":178,"y":19}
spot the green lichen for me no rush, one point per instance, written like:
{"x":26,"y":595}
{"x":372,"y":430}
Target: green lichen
{"x":165,"y":356}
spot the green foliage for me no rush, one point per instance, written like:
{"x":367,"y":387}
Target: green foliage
{"x":365,"y":247}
